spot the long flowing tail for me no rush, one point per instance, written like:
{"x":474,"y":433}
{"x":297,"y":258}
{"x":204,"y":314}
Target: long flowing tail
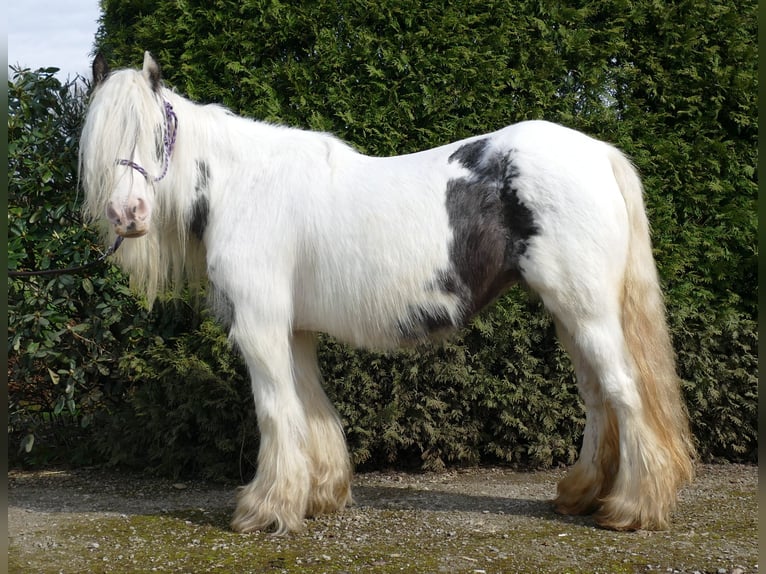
{"x":648,"y":340}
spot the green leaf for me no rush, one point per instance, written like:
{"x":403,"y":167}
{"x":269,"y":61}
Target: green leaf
{"x":54,"y":377}
{"x":27,"y":443}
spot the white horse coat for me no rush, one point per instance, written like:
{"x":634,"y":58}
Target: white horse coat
{"x":296,"y":232}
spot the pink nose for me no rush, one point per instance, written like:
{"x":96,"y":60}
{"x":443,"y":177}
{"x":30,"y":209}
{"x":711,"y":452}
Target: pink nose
{"x":129,"y":219}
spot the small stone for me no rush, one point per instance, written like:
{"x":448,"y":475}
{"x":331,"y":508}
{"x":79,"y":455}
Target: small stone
{"x":179,"y":486}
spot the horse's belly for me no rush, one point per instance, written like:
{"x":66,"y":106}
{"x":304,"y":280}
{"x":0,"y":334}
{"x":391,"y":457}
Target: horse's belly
{"x":378,"y":302}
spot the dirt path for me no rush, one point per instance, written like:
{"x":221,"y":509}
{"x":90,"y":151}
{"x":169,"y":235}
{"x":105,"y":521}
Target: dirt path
{"x":475,"y":521}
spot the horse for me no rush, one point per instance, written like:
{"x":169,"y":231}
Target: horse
{"x":294,"y":232}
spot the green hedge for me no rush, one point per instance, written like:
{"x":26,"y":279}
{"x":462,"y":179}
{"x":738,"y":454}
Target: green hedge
{"x":673,"y":84}
{"x":66,"y":334}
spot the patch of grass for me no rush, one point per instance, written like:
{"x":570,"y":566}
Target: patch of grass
{"x":406,"y":523}
{"x":389,"y":541}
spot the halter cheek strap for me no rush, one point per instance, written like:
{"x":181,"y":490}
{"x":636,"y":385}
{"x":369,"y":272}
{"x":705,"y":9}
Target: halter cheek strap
{"x":168,"y":142}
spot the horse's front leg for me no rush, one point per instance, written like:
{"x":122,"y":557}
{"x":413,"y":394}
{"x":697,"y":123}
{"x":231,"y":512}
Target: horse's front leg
{"x":330,"y":467}
{"x":278,"y":496}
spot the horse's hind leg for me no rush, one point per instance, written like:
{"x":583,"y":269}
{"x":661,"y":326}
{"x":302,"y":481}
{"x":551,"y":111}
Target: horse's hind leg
{"x":592,"y":475}
{"x":627,"y":476}
{"x":279,"y":494}
{"x":329,"y":464}
{"x":633,"y":458}
{"x":613,"y":408}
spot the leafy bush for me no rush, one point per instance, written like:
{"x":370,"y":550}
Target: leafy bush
{"x":673,"y":84}
{"x":187,"y":410}
{"x":500,"y":392}
{"x":66,"y":334}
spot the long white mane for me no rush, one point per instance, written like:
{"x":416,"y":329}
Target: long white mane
{"x":126,"y":119}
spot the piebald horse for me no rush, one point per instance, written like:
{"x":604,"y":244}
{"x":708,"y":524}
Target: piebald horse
{"x":295,"y":232}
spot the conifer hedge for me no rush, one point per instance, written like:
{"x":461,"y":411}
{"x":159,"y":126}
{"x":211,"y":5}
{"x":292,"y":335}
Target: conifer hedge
{"x":671,"y":83}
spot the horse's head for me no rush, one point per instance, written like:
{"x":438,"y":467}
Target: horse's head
{"x":126,"y":144}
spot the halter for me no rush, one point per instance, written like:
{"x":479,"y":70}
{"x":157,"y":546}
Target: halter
{"x":168,"y":141}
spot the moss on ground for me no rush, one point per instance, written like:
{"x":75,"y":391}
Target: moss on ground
{"x":412,"y":523}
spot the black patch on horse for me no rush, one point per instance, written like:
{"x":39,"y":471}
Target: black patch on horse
{"x":221,"y":305}
{"x":155,"y":75}
{"x":470,"y":154}
{"x":203,"y":177}
{"x":200,"y":210}
{"x":491,"y":226}
{"x":100,"y":69}
{"x":449,"y":282}
{"x":199,"y":216}
{"x":422,"y":322}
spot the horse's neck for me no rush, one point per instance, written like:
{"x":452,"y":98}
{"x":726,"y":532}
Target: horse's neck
{"x":212,"y":133}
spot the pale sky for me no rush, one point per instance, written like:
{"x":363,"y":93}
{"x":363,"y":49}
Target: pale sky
{"x":52,"y":33}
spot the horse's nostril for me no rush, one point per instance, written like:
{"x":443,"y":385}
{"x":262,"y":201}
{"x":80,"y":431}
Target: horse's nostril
{"x":113,"y":215}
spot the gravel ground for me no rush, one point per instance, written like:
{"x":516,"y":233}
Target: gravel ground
{"x":479,"y":520}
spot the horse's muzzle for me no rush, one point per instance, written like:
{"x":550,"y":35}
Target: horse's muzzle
{"x":130,"y":231}
{"x":131,"y":219}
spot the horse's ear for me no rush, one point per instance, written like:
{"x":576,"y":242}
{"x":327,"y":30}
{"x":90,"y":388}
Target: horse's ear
{"x":100,"y":69}
{"x":152,"y":71}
